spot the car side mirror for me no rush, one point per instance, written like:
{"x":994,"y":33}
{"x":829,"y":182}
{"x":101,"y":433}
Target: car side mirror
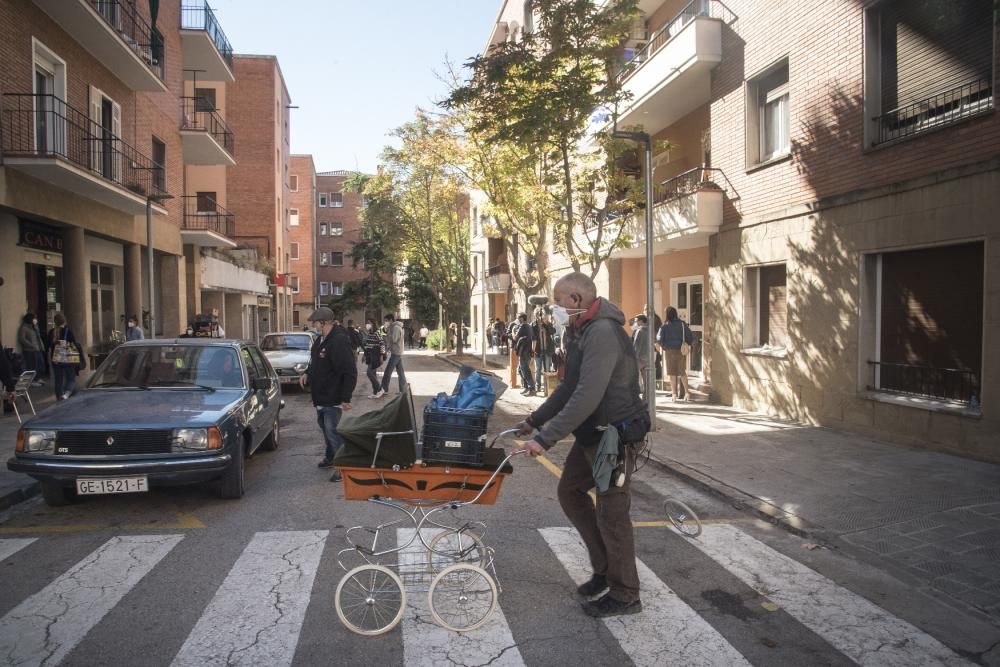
{"x":261,"y":384}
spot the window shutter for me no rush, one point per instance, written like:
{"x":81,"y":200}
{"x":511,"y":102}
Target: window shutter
{"x":774,"y":304}
{"x":117,"y":153}
{"x":96,"y":147}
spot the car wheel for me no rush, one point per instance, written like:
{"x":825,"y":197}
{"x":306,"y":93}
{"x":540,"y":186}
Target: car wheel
{"x":55,"y":494}
{"x":273,"y":438}
{"x":231,"y":484}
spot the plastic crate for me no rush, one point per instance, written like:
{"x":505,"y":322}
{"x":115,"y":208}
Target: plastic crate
{"x":453,"y":450}
{"x":454,"y":435}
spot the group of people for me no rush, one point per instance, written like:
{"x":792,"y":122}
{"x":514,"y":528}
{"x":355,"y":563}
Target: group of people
{"x":534,"y":341}
{"x":673,"y":340}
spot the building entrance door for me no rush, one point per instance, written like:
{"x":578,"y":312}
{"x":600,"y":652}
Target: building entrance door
{"x":43,"y":293}
{"x":688,"y":297}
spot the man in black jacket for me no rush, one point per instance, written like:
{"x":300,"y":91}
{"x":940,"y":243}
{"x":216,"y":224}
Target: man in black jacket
{"x":522,"y":346}
{"x":332,"y":376}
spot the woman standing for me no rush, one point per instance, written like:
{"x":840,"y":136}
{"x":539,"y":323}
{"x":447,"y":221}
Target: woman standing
{"x":673,"y":335}
{"x":374,"y":351}
{"x":32,"y":347}
{"x":65,"y":357}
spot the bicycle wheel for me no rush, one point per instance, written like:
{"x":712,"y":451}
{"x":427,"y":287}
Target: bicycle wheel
{"x":462,"y":597}
{"x":682,"y":517}
{"x":452,"y":546}
{"x":370,"y":600}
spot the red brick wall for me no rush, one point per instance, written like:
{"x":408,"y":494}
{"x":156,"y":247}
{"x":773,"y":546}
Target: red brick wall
{"x":348,"y":217}
{"x":305,"y":201}
{"x":824,"y":43}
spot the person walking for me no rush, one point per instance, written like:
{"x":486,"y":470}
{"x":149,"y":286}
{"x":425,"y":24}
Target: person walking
{"x":357,"y":340}
{"x":522,"y":346}
{"x":394,"y":343}
{"x":132,"y":329}
{"x":544,"y":347}
{"x":332,"y":375}
{"x":374,"y":351}
{"x":640,"y":344}
{"x":65,"y":356}
{"x":32,"y":348}
{"x":600,"y":390}
{"x":673,"y":336}
{"x":424,"y":333}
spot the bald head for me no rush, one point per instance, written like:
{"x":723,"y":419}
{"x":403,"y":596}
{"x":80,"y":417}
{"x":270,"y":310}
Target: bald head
{"x":574,"y":290}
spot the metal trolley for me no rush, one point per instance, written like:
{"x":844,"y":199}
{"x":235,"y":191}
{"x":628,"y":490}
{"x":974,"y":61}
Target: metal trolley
{"x":445,"y":556}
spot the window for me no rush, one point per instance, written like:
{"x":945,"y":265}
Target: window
{"x":769,"y":118}
{"x":293,"y":183}
{"x":294,"y":247}
{"x":293,"y":217}
{"x":324,"y":258}
{"x":296,"y":318}
{"x":294,"y":282}
{"x":251,"y":365}
{"x":322,"y":200}
{"x":336,"y":229}
{"x":159,"y":165}
{"x":337,"y":289}
{"x":324,"y":289}
{"x":50,"y":83}
{"x":336,"y":199}
{"x":102,"y":301}
{"x":927,"y":64}
{"x":336,"y":259}
{"x":204,"y":99}
{"x":765,"y":307}
{"x":923,"y":322}
{"x":205,"y":202}
{"x":322,"y":229}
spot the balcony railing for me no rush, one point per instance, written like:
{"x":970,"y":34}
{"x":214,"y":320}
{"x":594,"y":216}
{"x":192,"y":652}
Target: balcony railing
{"x":201,"y":17}
{"x":203,"y":214}
{"x":691,"y":181}
{"x":945,"y":384}
{"x":694,"y":9}
{"x":45,"y":126}
{"x":498,"y":269}
{"x":199,"y":114}
{"x":943,"y":109}
{"x":124,"y":19}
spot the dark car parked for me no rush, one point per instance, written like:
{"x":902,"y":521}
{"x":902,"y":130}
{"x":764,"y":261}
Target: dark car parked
{"x":156,"y":412}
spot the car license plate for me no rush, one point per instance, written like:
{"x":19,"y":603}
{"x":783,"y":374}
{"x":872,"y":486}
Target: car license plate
{"x":96,"y":485}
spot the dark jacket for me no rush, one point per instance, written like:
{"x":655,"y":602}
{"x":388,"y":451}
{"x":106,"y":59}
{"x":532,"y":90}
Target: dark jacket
{"x":543,"y":333}
{"x":673,"y":333}
{"x":6,"y":371}
{"x":522,"y":340}
{"x":374,"y":349}
{"x":356,"y":338}
{"x":332,"y":370}
{"x":29,"y":339}
{"x":601,"y":382}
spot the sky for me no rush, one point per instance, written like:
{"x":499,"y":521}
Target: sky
{"x":357,"y":68}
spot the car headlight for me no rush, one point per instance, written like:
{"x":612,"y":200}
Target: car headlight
{"x":196,"y":439}
{"x":35,"y":441}
{"x":300,"y":367}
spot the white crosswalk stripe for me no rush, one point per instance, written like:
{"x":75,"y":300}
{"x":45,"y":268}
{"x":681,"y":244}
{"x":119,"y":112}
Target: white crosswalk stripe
{"x":44,"y":628}
{"x":10,"y":547}
{"x":859,"y":629}
{"x":257,"y":613}
{"x":666,"y":632}
{"x":427,"y":644}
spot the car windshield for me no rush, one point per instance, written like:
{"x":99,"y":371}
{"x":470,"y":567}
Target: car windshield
{"x":296,"y":342}
{"x":176,"y":366}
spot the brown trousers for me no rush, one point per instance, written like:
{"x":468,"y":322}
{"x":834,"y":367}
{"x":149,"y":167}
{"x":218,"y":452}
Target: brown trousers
{"x":606,"y":529}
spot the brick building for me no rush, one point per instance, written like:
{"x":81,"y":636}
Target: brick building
{"x":825,"y":218}
{"x":338,"y":226}
{"x":302,"y":238}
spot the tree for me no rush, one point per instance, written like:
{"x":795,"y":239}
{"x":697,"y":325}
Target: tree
{"x":376,"y":253}
{"x":420,"y":295}
{"x":538,"y":94}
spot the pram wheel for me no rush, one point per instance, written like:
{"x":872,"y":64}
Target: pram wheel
{"x":682,"y":517}
{"x":462,"y":597}
{"x":456,"y":546}
{"x":370,"y":600}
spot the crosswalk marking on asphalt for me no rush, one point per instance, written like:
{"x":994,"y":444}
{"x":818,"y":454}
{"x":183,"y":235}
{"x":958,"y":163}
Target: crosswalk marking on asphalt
{"x":854,"y":626}
{"x":44,"y":628}
{"x":10,"y":547}
{"x":257,"y":613}
{"x":666,"y":632}
{"x":427,"y":644}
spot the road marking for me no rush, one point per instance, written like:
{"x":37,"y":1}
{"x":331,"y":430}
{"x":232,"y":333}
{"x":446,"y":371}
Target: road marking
{"x":10,"y":547}
{"x":557,"y":471}
{"x":257,"y":613}
{"x":704,"y":522}
{"x":666,"y":632}
{"x":184,"y":521}
{"x":427,"y":644}
{"x":44,"y":628}
{"x":854,"y":626}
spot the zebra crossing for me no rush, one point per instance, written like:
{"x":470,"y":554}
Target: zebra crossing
{"x":257,"y":612}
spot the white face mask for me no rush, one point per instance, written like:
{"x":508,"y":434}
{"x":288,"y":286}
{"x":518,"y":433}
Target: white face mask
{"x":561,"y":314}
{"x":368,"y":327}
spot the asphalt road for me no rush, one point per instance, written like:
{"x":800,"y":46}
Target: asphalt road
{"x":176,"y":576}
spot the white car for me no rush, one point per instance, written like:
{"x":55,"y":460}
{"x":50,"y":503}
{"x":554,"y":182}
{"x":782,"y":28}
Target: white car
{"x":288,"y":353}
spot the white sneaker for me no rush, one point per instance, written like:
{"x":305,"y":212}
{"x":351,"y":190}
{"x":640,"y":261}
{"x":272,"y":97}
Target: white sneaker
{"x":378,"y":394}
{"x":65,"y":396}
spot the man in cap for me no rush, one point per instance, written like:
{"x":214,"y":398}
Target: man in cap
{"x":332,"y":376}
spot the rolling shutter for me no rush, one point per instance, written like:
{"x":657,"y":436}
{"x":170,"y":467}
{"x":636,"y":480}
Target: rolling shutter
{"x":773,"y":297}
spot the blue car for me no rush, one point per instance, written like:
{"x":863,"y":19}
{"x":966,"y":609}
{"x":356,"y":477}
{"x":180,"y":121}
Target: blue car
{"x":156,"y":412}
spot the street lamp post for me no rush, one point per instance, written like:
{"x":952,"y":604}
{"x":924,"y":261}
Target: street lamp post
{"x":647,"y":141}
{"x":150,"y":273}
{"x":482,"y":302}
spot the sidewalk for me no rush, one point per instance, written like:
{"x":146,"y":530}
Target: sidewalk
{"x":15,"y":487}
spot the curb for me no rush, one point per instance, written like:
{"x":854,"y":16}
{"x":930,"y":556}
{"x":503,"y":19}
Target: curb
{"x":444,"y":356}
{"x":19,"y":495}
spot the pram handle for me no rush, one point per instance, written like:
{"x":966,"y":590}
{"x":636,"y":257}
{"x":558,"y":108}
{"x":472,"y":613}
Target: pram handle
{"x":496,"y":472}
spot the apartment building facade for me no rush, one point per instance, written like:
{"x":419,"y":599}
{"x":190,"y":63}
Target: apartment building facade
{"x":825,"y":215}
{"x":302,"y":238}
{"x":338,"y":227}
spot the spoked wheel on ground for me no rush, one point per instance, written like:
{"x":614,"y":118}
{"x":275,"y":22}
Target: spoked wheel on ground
{"x":682,"y":517}
{"x":370,"y":600}
{"x":456,"y":546}
{"x":462,"y":597}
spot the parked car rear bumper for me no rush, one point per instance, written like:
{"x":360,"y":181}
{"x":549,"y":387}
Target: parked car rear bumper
{"x":182,"y":470}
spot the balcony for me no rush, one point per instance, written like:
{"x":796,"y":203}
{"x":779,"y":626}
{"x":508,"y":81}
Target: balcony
{"x":207,"y":224}
{"x":670,"y":76}
{"x":49,"y":140}
{"x":206,"y":49}
{"x":944,"y":109}
{"x":687,"y":210}
{"x":116,"y":34}
{"x":206,"y":138}
{"x":498,"y":279}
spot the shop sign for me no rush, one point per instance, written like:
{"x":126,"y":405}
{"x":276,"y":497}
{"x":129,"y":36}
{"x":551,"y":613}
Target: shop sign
{"x":263,"y":302}
{"x":39,"y":237}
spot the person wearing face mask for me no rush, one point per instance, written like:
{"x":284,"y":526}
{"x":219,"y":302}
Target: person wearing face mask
{"x":374,"y":350}
{"x":132,"y":329}
{"x":32,"y":347}
{"x":600,"y":390}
